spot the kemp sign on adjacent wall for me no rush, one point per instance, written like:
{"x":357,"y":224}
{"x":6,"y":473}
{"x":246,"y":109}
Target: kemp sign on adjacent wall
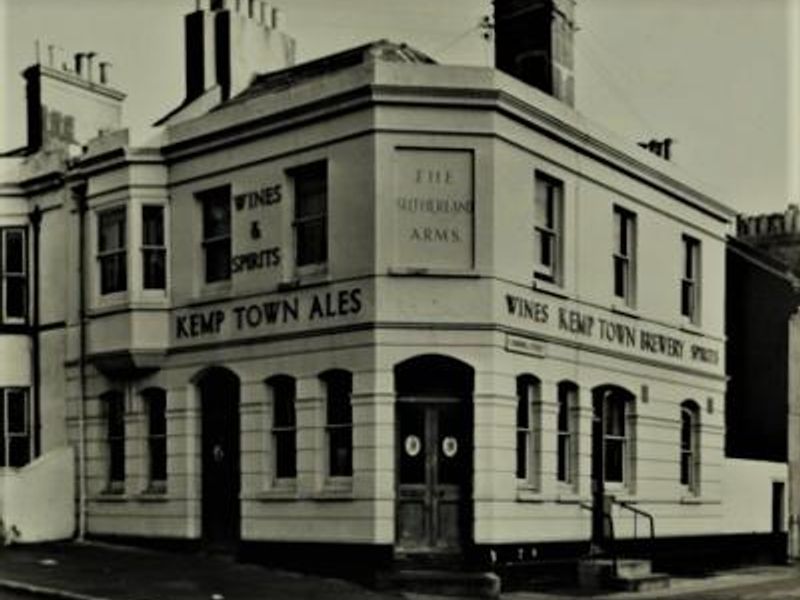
{"x":551,"y":318}
{"x":434,"y":209}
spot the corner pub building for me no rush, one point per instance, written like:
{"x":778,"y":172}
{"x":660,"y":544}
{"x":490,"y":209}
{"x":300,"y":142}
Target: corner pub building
{"x":366,"y":306}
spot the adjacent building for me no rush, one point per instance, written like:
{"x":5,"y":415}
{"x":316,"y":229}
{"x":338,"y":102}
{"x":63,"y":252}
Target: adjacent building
{"x":372,"y":306}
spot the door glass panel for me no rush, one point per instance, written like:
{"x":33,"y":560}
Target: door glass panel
{"x":450,"y":446}
{"x":412,"y":444}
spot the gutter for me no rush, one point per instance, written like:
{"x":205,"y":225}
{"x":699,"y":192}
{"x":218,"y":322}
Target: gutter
{"x":80,"y":198}
{"x":36,"y":221}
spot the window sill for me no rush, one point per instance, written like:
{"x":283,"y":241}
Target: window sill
{"x":216,"y":289}
{"x":624,"y":309}
{"x":529,"y":494}
{"x":691,"y":328}
{"x":336,"y":488}
{"x":692,"y":499}
{"x":551,"y":288}
{"x":433,"y":272}
{"x":278,"y":493}
{"x":152,"y":496}
{"x":311,"y":279}
{"x":111,"y":496}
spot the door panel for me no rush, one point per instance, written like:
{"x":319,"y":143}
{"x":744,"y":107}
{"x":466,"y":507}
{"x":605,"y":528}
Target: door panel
{"x":220,"y":459}
{"x":433,"y":475}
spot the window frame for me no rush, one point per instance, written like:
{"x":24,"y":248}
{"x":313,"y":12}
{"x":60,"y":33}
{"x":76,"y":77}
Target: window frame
{"x":528,"y":401}
{"x":691,"y":279}
{"x":217,"y":195}
{"x":7,"y":434}
{"x":622,"y":439}
{"x":338,"y":382}
{"x":156,"y":484}
{"x":624,"y":256}
{"x":689,"y":449}
{"x":8,"y":275}
{"x":277,"y":385}
{"x":114,"y":441}
{"x":552,"y":229}
{"x":117,"y":253}
{"x":149,"y":248}
{"x":301,"y":221}
{"x":567,"y":433}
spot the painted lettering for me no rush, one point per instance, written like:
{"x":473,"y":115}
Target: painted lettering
{"x":199,"y":324}
{"x":527,"y":309}
{"x":265,"y":196}
{"x":575,"y":322}
{"x":251,"y":261}
{"x":435,"y":234}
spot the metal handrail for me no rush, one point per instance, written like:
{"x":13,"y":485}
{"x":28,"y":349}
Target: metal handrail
{"x":636,"y":513}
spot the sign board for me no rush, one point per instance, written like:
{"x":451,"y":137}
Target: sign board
{"x":434,"y":209}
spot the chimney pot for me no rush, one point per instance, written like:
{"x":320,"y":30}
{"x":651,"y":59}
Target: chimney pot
{"x":51,"y":53}
{"x":89,"y":59}
{"x":104,"y":68}
{"x":277,"y":18}
{"x":79,"y":62}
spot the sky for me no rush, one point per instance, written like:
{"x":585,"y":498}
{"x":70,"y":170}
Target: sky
{"x":718,"y":76}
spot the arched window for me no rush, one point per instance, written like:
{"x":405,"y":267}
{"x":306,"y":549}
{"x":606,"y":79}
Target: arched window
{"x":690,"y":455}
{"x":284,"y":426}
{"x":567,"y":434}
{"x":528,"y":395}
{"x":114,"y":408}
{"x":155,"y":400}
{"x":339,"y":422}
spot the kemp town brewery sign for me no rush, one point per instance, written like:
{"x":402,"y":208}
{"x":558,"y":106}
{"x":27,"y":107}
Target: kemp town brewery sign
{"x":595,"y":327}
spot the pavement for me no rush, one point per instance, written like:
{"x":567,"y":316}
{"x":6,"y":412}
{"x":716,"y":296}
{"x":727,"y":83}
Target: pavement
{"x":93,"y":571}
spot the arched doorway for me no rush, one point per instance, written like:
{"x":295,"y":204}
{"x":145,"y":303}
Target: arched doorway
{"x":611,"y":452}
{"x":219,"y":407}
{"x":434,"y":455}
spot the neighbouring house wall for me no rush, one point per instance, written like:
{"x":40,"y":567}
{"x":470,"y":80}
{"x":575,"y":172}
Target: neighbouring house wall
{"x":38,"y":501}
{"x":747,"y":495}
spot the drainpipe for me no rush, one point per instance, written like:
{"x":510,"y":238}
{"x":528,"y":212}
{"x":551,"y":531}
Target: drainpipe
{"x":36,"y":220}
{"x":82,"y":493}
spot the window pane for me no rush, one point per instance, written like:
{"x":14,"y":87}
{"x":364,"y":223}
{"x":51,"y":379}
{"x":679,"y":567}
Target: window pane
{"x":563,"y":457}
{"x":685,"y":468}
{"x":284,"y":413}
{"x":615,"y":417}
{"x":218,"y":260}
{"x":285,"y":454}
{"x":153,"y":225}
{"x":17,"y":411}
{"x":620,"y":277}
{"x":116,"y":471}
{"x":15,"y":302}
{"x":157,"y":413}
{"x":312,"y":242}
{"x":339,"y":409}
{"x":14,"y":252}
{"x":217,"y":216}
{"x":19,"y":450}
{"x":522,"y":454}
{"x":112,"y":230}
{"x":523,"y":408}
{"x":311,"y":191}
{"x":546,"y":248}
{"x":614,"y":457}
{"x":563,"y":414}
{"x":113,"y":273}
{"x":340,"y":451}
{"x":158,"y":458}
{"x":155,"y":274}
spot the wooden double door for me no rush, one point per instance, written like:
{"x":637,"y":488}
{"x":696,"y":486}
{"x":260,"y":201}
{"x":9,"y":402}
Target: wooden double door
{"x":434,"y":473}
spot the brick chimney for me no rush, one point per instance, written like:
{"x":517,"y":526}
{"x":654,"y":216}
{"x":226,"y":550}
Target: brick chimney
{"x":533,"y":42}
{"x":228,"y":42}
{"x":66,"y":105}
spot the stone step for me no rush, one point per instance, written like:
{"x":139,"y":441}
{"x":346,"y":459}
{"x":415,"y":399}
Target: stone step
{"x":633,"y":567}
{"x":445,"y":583}
{"x":641,"y":583}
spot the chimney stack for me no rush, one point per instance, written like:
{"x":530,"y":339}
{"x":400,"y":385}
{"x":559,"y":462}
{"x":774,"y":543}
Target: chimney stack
{"x":231,"y":42}
{"x":533,"y":42}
